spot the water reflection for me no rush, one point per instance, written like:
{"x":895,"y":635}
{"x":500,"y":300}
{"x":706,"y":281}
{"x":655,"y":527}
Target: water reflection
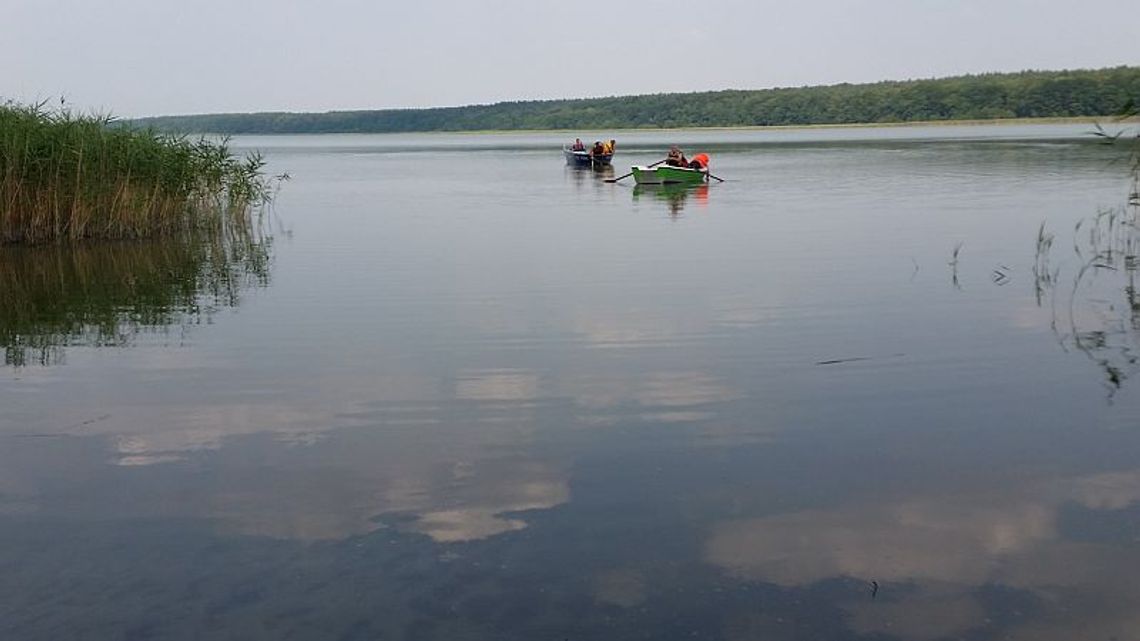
{"x":506,"y":425}
{"x":603,"y":172}
{"x":931,"y":552}
{"x":675,"y":197}
{"x":447,"y":482}
{"x":103,"y":294}
{"x":589,"y":175}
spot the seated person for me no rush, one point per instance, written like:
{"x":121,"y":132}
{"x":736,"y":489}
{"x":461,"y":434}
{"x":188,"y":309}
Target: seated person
{"x":700,"y":161}
{"x":598,"y":149}
{"x":578,"y":145}
{"x":608,"y":147}
{"x":676,"y":158}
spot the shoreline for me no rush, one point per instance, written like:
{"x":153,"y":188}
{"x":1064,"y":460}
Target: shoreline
{"x":1088,"y":120}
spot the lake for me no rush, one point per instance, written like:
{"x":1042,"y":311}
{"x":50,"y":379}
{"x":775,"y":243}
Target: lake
{"x":878,"y":384}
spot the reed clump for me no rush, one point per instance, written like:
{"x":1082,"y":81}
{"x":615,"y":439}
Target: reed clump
{"x":67,"y":176}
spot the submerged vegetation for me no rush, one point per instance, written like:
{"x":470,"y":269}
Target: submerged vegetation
{"x":1028,"y":94}
{"x":65,"y":177}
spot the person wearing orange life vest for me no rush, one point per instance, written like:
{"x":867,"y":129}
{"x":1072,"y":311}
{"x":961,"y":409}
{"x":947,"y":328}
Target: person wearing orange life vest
{"x":700,"y":161}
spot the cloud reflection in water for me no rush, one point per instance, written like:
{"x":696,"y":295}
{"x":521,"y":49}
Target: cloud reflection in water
{"x":932,"y":554}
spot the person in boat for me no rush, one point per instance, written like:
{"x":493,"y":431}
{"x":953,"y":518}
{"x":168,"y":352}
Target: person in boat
{"x":700,"y":161}
{"x":578,"y":145}
{"x":598,"y":149}
{"x":608,"y":147}
{"x":676,"y":157}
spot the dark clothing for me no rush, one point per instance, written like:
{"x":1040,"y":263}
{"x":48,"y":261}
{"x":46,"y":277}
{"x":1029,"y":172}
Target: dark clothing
{"x":676,"y":158}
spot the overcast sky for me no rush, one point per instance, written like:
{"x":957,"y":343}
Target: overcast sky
{"x":150,"y":57}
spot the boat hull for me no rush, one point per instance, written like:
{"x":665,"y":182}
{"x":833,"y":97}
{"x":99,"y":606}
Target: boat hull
{"x":666,"y":175}
{"x":585,"y":159}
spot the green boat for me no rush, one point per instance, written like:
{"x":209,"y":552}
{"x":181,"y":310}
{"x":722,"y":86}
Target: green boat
{"x":667,"y":175}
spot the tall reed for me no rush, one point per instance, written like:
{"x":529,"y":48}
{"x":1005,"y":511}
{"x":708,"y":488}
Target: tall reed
{"x":65,"y":176}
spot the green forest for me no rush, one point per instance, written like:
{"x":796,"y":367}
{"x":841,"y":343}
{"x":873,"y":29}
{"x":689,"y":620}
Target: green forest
{"x":1027,"y":94}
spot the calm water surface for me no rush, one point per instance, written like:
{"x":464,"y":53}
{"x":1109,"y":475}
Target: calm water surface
{"x":470,"y":393}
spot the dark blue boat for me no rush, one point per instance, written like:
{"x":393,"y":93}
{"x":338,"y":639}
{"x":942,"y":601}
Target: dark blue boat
{"x":585,"y":158}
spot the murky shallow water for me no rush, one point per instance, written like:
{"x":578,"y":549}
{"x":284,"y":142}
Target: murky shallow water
{"x":476,"y":394}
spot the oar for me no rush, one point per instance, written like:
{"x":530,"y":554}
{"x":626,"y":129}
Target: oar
{"x":717,"y":177}
{"x":614,"y":180}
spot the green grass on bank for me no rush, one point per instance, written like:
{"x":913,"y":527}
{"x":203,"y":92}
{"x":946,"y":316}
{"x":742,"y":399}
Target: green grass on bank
{"x":65,"y":176}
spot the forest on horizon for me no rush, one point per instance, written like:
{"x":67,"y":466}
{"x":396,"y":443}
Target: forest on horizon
{"x":1026,"y":94}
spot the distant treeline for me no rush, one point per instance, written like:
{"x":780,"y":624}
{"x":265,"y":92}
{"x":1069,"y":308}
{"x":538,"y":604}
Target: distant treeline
{"x":1027,"y":94}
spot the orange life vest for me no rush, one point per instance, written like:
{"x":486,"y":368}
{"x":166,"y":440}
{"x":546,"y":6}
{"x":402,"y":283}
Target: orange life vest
{"x":702,"y":159}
